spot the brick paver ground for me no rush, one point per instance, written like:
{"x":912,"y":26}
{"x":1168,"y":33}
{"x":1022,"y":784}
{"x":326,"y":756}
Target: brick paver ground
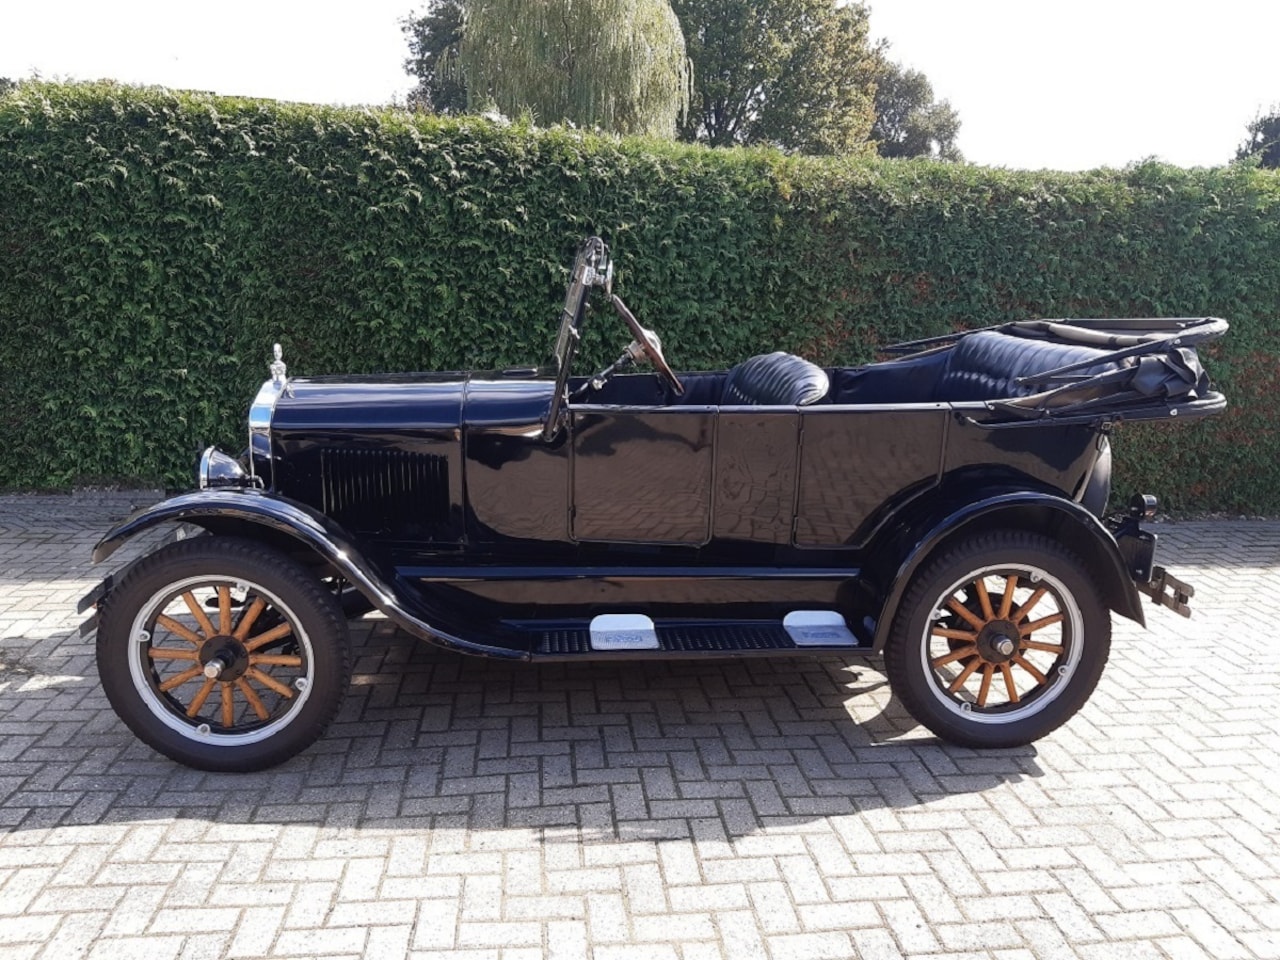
{"x":736,"y":810}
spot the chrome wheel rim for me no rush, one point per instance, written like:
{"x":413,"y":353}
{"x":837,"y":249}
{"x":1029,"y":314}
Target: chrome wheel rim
{"x":220,"y":660}
{"x":1002,"y":643}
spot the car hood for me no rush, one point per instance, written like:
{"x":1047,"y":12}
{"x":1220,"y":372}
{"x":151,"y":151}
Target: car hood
{"x":413,"y":401}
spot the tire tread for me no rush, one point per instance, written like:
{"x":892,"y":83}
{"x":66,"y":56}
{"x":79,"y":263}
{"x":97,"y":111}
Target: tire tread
{"x":274,"y":569}
{"x":900,"y":651}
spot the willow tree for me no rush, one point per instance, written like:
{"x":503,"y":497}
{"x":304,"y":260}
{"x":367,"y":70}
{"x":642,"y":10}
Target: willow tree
{"x":615,"y":64}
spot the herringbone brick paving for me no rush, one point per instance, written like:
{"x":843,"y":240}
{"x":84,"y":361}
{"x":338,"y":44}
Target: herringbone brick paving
{"x":771,"y":809}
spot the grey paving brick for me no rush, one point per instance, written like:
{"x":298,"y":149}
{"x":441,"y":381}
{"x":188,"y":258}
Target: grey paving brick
{"x":755,"y":809}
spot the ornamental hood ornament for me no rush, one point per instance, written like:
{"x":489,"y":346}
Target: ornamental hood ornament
{"x":277,"y":366}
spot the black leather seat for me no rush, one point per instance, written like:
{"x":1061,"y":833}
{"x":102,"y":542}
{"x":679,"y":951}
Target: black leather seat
{"x":775,"y":379}
{"x":987,"y":365}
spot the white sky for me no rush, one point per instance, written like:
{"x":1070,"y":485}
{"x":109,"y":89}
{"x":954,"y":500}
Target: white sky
{"x":1086,"y":83}
{"x":1068,"y":85}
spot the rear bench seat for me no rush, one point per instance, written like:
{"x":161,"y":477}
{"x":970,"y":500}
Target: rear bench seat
{"x":987,"y":366}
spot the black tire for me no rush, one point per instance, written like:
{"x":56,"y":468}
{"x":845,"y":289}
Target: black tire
{"x":279,"y":681}
{"x":947,"y":657}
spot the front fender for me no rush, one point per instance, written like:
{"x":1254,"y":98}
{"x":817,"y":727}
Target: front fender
{"x":209,"y":508}
{"x":901,"y":551}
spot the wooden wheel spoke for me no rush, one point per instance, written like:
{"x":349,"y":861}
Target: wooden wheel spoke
{"x":1020,"y":661}
{"x":179,"y":679}
{"x":268,"y":681}
{"x":965,"y":614}
{"x":1031,"y":628}
{"x":1026,"y":608}
{"x":254,"y":700}
{"x":1006,"y":601}
{"x":1037,"y":645}
{"x":250,"y":615}
{"x":228,"y":706}
{"x":168,"y":653}
{"x":964,"y":674}
{"x":954,"y":655}
{"x":202,"y":618}
{"x":262,"y":639}
{"x":178,"y":630}
{"x":984,"y":598}
{"x":224,"y":609}
{"x":275,"y":660}
{"x":1009,"y":686}
{"x":198,"y":700}
{"x":987,"y":673}
{"x":970,"y":635}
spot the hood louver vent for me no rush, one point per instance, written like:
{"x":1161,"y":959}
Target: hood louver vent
{"x":386,"y":491}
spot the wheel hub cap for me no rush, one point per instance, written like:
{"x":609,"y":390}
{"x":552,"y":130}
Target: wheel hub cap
{"x":997,"y":641}
{"x":224,"y":658}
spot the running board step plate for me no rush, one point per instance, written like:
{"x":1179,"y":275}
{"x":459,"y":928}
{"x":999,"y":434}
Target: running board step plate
{"x":818,"y":628}
{"x":613,"y":637}
{"x":623,"y":631}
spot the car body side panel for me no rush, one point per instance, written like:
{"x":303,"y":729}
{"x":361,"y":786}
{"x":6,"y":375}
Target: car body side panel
{"x":553,"y":592}
{"x":856,"y":460}
{"x":1061,"y":457}
{"x":517,"y":486}
{"x":755,"y":475}
{"x":517,"y":483}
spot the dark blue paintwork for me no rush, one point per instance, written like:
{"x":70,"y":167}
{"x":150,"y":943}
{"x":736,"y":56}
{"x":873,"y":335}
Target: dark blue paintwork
{"x":487,"y":511}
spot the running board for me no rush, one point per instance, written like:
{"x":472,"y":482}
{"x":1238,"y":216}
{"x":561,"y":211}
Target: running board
{"x":675,"y":639}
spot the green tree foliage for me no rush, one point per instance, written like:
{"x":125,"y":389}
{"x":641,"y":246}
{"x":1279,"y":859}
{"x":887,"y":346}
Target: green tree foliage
{"x":791,"y":73}
{"x":909,"y":122}
{"x":153,"y":246}
{"x":434,"y":39}
{"x":618,"y":65}
{"x":6,"y":85}
{"x":1264,"y":139}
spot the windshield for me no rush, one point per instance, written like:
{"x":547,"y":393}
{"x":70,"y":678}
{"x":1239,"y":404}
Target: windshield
{"x":592,"y":257}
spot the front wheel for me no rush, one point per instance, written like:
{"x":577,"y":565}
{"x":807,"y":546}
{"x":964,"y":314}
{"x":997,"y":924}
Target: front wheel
{"x":223,"y":654}
{"x":999,"y":640}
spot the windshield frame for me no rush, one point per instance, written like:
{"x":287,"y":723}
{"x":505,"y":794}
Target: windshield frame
{"x":591,"y":268}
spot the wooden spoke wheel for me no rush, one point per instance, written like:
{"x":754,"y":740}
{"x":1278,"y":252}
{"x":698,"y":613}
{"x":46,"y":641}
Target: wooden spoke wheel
{"x":999,"y":640}
{"x":225,"y":657}
{"x":223,"y":654}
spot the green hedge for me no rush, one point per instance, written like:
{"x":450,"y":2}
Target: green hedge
{"x":153,"y":245}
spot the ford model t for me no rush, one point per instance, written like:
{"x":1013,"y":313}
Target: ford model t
{"x":944,"y":507}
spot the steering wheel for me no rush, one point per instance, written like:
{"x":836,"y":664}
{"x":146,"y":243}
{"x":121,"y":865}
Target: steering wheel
{"x":648,"y":344}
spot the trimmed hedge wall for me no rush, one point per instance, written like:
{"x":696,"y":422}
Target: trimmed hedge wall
{"x":153,"y":245}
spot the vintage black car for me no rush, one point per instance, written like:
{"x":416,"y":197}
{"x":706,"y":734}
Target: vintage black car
{"x":944,"y":507}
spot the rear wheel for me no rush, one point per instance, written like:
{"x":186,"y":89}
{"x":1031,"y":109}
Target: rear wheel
{"x":999,"y":640}
{"x":223,"y":654}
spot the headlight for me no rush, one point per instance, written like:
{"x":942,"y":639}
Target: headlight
{"x":217,"y":469}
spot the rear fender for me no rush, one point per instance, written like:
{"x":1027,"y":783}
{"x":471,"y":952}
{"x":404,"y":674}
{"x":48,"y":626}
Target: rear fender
{"x":254,"y":514}
{"x":900,"y":552}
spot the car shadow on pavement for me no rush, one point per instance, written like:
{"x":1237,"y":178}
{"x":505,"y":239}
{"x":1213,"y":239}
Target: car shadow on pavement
{"x":595,"y":752}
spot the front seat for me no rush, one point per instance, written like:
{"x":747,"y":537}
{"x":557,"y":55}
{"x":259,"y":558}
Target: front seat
{"x":774,"y":380}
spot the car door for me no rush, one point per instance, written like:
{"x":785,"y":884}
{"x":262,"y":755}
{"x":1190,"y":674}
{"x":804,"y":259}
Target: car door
{"x":642,"y":474}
